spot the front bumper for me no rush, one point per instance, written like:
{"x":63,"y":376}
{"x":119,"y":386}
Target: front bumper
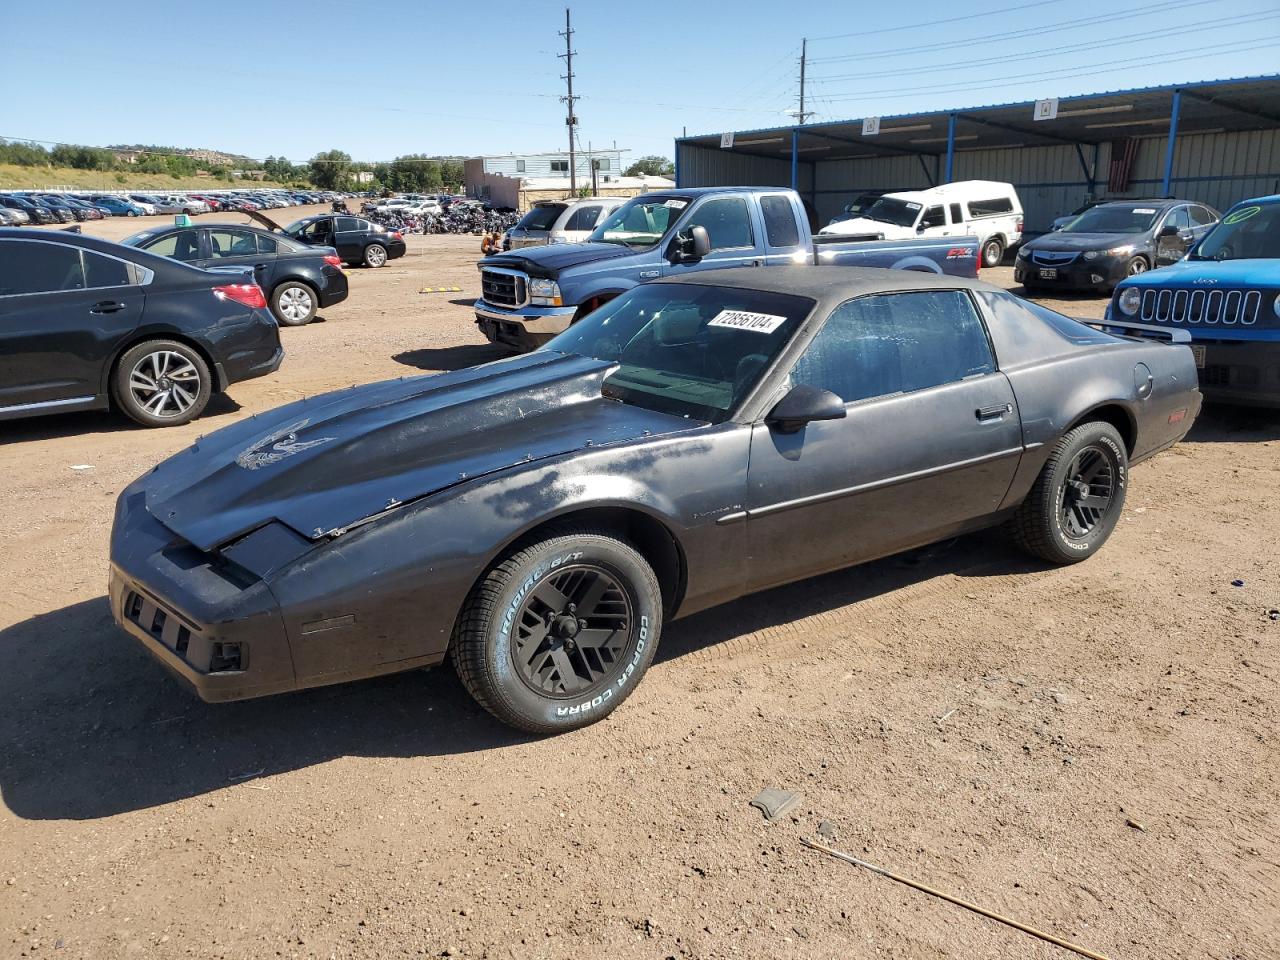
{"x":1101,"y":273}
{"x":1246,"y":372}
{"x":212,"y":626}
{"x":524,"y":328}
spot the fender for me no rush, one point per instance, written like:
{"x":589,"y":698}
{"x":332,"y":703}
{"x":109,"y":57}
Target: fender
{"x":923,"y":264}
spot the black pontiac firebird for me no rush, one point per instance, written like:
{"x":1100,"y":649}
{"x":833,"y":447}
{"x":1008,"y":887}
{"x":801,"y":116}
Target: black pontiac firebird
{"x":688,"y":443}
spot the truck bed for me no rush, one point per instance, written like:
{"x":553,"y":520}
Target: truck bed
{"x":952,"y":256}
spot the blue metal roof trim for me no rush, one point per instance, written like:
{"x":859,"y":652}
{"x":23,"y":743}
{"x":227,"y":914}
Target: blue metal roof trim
{"x":1165,"y":88}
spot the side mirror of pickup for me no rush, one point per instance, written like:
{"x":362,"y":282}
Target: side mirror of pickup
{"x":690,"y":246}
{"x":921,"y":227}
{"x":803,"y":404}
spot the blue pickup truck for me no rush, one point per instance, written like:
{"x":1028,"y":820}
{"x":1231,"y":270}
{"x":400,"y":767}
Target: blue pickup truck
{"x":1225,"y":293}
{"x":530,"y":295}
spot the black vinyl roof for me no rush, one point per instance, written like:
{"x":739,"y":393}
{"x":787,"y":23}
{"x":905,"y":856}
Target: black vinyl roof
{"x":1214,"y":106}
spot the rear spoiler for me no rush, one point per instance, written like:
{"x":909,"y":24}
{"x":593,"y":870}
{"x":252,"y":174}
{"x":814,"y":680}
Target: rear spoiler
{"x":1147,"y":331}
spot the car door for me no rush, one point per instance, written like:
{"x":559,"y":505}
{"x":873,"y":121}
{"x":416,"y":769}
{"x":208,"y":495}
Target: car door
{"x":1173,"y":236}
{"x":349,"y":237}
{"x":733,"y":242}
{"x":928,"y":446}
{"x":238,"y":247}
{"x":63,"y":310}
{"x":933,"y":222}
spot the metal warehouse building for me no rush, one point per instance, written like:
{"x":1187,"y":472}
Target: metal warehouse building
{"x":1216,"y":141}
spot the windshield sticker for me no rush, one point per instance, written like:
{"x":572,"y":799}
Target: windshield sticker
{"x":676,"y":204}
{"x":912,"y":206}
{"x":742,"y":320}
{"x":1143,"y":210}
{"x":1244,"y":213}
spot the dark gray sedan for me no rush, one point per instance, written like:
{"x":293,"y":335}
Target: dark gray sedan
{"x":689,"y":442}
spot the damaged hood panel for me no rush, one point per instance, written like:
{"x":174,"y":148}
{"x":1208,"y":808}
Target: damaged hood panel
{"x":322,"y":464}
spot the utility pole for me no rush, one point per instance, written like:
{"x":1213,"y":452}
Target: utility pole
{"x":801,"y":115}
{"x":591,"y":162}
{"x":571,"y":121}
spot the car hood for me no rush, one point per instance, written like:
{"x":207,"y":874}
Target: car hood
{"x":1209,"y":274}
{"x":1074,"y":242}
{"x":325,"y":463}
{"x":861,"y":225}
{"x":550,"y":260}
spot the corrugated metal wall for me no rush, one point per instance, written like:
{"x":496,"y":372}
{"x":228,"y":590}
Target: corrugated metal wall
{"x":1217,"y":168}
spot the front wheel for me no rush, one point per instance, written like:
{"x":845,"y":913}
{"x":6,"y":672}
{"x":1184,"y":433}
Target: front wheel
{"x":992,"y":252}
{"x":162,"y":383}
{"x":375,"y":255}
{"x":1076,"y":501}
{"x":559,"y":633}
{"x":1136,"y":266}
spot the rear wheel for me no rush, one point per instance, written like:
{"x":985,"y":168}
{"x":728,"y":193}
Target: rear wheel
{"x":162,"y":383}
{"x":294,"y":304}
{"x":1077,"y":499}
{"x":375,"y":255}
{"x":992,"y":252}
{"x":558,"y":634}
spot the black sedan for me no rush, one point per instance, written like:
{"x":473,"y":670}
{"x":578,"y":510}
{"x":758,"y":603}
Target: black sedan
{"x":37,"y":213}
{"x":1111,"y":241}
{"x":357,"y":240}
{"x":298,"y":279}
{"x":86,"y":325}
{"x":691,"y":441}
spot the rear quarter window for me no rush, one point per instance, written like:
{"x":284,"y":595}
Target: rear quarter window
{"x":990,"y":208}
{"x":779,"y":222}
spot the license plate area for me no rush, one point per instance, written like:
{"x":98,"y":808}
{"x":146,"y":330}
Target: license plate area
{"x":1197,"y":351}
{"x":1048,"y":273}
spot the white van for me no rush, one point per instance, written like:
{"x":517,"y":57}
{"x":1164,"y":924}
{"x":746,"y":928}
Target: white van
{"x":561,"y":221}
{"x":986,"y":209}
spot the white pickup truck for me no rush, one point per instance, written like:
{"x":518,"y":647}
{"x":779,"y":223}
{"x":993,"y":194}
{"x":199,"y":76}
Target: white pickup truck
{"x":984,"y":209}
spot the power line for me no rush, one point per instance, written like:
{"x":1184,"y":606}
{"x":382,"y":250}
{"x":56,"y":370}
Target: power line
{"x":1040,"y":30}
{"x":1009,"y":80}
{"x":935,"y":23}
{"x":1053,"y":51}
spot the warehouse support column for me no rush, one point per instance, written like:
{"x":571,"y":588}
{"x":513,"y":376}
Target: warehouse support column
{"x":1173,"y":142}
{"x":795,"y":159}
{"x":951,"y":146}
{"x":1093,"y":177}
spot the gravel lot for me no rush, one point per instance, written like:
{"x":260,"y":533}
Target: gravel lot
{"x":1091,"y":750}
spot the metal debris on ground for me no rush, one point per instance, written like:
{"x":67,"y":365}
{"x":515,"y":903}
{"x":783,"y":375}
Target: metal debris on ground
{"x":773,"y":802}
{"x":983,"y":911}
{"x":1130,"y":822}
{"x":1237,"y":583}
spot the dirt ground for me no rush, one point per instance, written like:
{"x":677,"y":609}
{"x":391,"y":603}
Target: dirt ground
{"x":1090,"y":750}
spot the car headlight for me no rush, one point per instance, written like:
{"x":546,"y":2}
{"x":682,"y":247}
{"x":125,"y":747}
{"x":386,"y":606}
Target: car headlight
{"x":1276,"y":305}
{"x":1120,"y":251}
{"x":1023,"y":253}
{"x":544,"y":293}
{"x":1091,"y":254}
{"x":1129,"y":301}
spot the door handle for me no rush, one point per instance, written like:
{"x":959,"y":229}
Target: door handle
{"x":107,"y":306}
{"x":994,"y":412}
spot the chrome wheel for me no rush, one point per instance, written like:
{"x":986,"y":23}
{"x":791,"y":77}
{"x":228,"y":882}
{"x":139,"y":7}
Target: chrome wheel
{"x":375,"y":256}
{"x":1136,"y":266}
{"x":164,"y":384}
{"x":295,"y":304}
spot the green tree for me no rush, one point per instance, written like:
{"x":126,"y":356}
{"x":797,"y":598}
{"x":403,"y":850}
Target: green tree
{"x":653,"y":166}
{"x":330,"y":170}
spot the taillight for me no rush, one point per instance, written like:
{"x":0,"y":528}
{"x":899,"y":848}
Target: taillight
{"x":1019,"y":225}
{"x":248,"y":294}
{"x":332,"y":260}
{"x":395,"y":235}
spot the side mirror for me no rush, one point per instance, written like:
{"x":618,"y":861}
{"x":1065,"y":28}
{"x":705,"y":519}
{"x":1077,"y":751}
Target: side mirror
{"x":1168,"y":230}
{"x":692,"y":246}
{"x":920,"y":227}
{"x":804,"y":404}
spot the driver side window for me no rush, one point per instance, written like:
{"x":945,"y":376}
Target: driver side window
{"x":933,"y":217}
{"x":727,"y":221}
{"x":884,"y":344}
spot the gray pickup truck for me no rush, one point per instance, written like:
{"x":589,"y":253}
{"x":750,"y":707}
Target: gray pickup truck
{"x":531,"y":295}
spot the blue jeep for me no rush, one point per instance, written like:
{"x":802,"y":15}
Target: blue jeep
{"x":1226,"y":294}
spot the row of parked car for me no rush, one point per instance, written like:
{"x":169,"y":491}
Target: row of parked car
{"x":1093,"y":248}
{"x":31,"y":207}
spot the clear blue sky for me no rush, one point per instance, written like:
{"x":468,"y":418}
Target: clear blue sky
{"x":390,"y":77}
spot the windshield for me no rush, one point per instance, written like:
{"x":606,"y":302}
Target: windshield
{"x":1114,"y":218}
{"x":640,"y":222}
{"x":541,"y":218}
{"x":686,"y":349}
{"x":901,"y":213}
{"x":1249,"y":232}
